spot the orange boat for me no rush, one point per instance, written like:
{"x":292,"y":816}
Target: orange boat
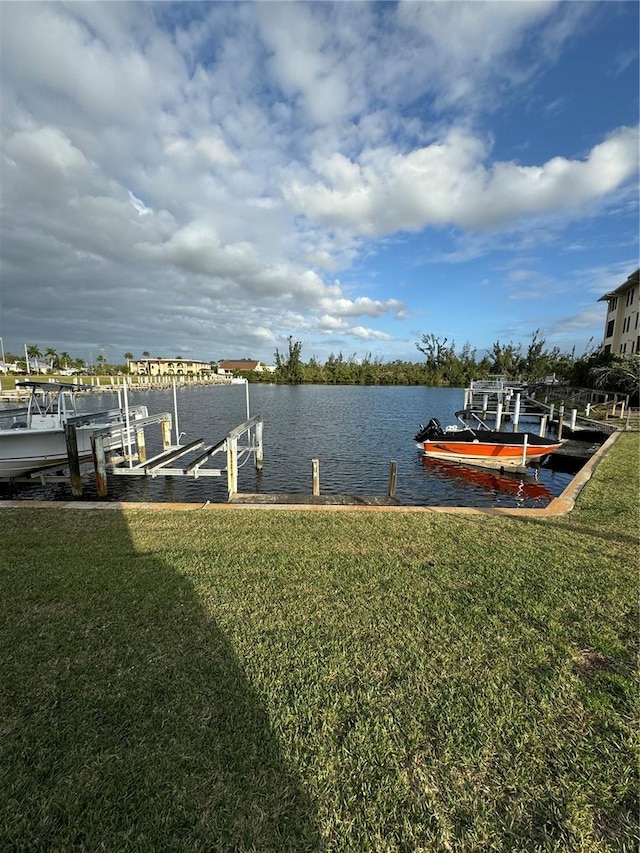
{"x":513,"y":451}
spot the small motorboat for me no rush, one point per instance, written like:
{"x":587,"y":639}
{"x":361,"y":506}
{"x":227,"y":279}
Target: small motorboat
{"x":33,"y":438}
{"x":480,"y":445}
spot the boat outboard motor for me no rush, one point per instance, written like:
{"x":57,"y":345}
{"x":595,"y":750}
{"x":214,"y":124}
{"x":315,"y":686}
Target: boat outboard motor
{"x":432,"y":430}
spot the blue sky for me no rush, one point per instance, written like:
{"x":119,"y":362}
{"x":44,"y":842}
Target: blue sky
{"x":208,"y":179}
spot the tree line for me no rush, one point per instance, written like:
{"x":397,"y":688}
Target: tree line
{"x":445,"y":365}
{"x":441,"y":364}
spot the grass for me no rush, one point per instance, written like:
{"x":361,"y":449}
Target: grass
{"x":249,"y":680}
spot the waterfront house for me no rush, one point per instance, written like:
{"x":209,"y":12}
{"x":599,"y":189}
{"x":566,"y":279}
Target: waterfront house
{"x":621,"y":330}
{"x":229,"y":367}
{"x":169,"y":367}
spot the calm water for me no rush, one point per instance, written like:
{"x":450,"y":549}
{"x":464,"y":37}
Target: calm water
{"x":353,"y":431}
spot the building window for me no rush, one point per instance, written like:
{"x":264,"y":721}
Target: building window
{"x":630,"y":298}
{"x":607,"y":349}
{"x":610,"y":326}
{"x":613,"y":304}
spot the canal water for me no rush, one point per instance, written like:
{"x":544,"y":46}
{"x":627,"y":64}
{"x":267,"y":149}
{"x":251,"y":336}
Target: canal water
{"x":354,"y":432}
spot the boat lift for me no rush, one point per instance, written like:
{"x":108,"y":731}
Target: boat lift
{"x":130,"y":459}
{"x":243,"y":439}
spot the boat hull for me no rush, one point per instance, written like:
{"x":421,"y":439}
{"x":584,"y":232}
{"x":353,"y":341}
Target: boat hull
{"x":24,"y":451}
{"x":501,"y":450}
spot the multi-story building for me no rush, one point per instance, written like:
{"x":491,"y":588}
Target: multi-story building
{"x":622,"y":329}
{"x":169,"y":367}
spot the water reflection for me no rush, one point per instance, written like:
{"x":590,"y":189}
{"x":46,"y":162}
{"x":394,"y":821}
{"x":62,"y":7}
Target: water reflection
{"x":524,"y":489}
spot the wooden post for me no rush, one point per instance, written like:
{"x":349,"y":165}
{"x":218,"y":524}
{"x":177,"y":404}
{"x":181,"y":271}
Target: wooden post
{"x":393,"y":478}
{"x":165,"y":427}
{"x":142,"y":445}
{"x":574,"y":417}
{"x":71,"y":439}
{"x":99,"y":465}
{"x":543,"y":426}
{"x":259,"y":449}
{"x":232,"y":467}
{"x":315,"y":477}
{"x":485,"y":406}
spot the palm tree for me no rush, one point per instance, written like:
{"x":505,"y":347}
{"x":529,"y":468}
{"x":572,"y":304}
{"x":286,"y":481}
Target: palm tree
{"x":64,"y":359}
{"x":52,"y":355}
{"x":146,"y":354}
{"x":33,"y":352}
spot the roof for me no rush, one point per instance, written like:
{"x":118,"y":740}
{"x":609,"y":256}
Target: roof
{"x":633,"y":279}
{"x":240,"y":364}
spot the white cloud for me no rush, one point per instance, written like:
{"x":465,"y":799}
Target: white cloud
{"x":449,"y":183}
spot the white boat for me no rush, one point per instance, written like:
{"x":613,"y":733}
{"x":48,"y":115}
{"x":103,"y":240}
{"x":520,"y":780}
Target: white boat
{"x":33,"y":438}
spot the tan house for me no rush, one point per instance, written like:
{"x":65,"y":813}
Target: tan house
{"x":169,"y":367}
{"x":621,"y":330}
{"x":229,"y":367}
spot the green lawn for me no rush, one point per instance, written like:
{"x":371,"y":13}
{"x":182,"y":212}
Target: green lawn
{"x":250,"y":680}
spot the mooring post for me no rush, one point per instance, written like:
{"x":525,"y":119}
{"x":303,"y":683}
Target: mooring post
{"x":71,"y":439}
{"x":498,"y":415}
{"x":142,"y":445}
{"x":165,"y":428}
{"x":393,"y":478}
{"x":543,"y":426}
{"x":99,"y":465}
{"x":485,"y":406}
{"x":574,"y":417}
{"x":259,"y":449}
{"x":232,"y":466}
{"x":315,"y":477}
{"x":516,"y":413}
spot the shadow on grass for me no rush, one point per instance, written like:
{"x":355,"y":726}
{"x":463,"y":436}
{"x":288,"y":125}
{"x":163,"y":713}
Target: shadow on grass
{"x":128,"y":723}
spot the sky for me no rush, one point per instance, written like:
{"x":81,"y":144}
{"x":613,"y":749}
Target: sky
{"x":206,"y":180}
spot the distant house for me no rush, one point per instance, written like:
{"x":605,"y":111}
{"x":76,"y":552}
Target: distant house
{"x":621,"y":330}
{"x":169,"y":367}
{"x":37,"y":365}
{"x":229,"y":367}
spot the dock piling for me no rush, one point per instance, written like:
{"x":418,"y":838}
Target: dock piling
{"x":71,"y":439}
{"x":315,"y":477}
{"x":259,"y":455}
{"x":99,"y":465}
{"x":232,"y":466}
{"x":393,"y":478}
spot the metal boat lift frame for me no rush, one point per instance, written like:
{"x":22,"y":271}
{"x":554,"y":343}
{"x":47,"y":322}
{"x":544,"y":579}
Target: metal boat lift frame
{"x":159,"y":465}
